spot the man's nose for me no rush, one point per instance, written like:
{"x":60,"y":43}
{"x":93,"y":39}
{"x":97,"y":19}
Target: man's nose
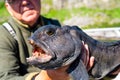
{"x":25,"y":2}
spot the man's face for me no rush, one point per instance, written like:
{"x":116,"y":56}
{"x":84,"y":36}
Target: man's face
{"x":26,"y":11}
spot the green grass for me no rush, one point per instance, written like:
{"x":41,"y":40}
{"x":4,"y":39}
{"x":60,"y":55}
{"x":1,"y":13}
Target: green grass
{"x":106,"y":16}
{"x":63,"y":14}
{"x":58,"y":14}
{"x":3,"y":13}
{"x":114,"y":13}
{"x":66,"y":13}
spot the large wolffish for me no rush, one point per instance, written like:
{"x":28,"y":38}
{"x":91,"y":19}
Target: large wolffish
{"x":61,"y":46}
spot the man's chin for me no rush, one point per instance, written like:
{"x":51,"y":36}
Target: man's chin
{"x":31,"y":19}
{"x":30,"y":16}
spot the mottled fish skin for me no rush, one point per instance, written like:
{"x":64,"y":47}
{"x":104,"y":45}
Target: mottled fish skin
{"x":107,"y":55}
{"x":63,"y":49}
{"x":64,"y":45}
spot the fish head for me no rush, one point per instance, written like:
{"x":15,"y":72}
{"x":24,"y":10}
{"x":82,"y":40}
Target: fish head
{"x":54,"y":46}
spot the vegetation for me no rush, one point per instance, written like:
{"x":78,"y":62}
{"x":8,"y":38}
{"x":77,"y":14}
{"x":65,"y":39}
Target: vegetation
{"x":102,"y":17}
{"x":3,"y":13}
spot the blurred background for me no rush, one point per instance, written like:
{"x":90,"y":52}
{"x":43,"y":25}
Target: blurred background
{"x":84,"y":13}
{"x":87,"y":14}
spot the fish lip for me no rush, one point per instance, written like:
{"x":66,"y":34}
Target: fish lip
{"x":44,"y":54}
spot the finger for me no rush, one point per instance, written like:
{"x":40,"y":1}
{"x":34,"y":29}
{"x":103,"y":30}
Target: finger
{"x":91,"y":62}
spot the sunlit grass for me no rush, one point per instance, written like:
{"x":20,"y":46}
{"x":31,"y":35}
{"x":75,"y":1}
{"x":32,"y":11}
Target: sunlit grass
{"x":67,"y":13}
{"x":3,"y":13}
{"x":64,"y":14}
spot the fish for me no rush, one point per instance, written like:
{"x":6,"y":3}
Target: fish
{"x":57,"y":46}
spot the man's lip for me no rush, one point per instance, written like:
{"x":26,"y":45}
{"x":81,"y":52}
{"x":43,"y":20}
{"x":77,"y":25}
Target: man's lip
{"x":27,"y":9}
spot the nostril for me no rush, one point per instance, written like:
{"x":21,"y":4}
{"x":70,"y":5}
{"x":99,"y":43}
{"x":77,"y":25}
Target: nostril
{"x":31,"y":41}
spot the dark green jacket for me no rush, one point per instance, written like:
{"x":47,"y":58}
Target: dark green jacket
{"x":13,"y":53}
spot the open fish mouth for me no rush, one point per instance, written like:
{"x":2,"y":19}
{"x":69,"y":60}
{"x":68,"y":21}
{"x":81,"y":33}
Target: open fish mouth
{"x":38,"y":55}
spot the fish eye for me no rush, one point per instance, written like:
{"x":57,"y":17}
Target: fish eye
{"x":50,"y":32}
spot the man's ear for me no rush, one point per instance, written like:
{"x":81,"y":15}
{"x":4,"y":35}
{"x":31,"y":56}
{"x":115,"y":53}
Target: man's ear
{"x":8,"y":7}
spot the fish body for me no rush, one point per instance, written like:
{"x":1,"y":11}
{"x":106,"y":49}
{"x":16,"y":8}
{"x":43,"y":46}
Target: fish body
{"x":60,"y":46}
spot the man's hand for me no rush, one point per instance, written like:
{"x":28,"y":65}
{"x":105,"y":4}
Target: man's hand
{"x":87,"y":59}
{"x":55,"y":74}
